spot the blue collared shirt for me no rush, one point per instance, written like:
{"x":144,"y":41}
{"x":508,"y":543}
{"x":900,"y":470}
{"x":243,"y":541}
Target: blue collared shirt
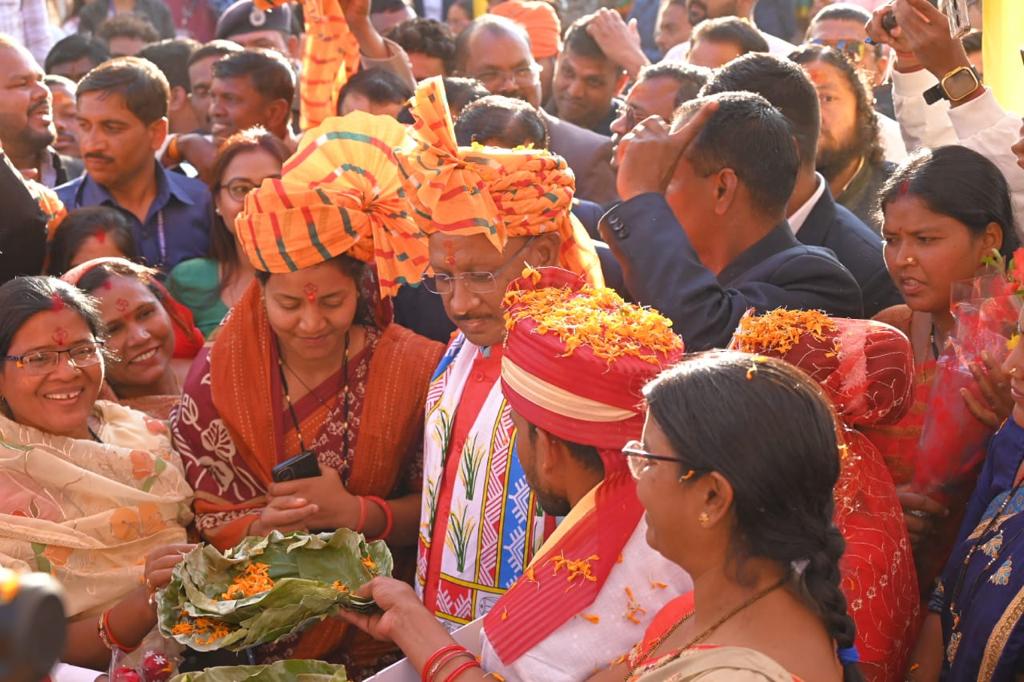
{"x":182,"y":206}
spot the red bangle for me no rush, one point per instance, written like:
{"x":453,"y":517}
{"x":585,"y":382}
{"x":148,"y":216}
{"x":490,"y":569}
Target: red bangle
{"x":107,"y":634}
{"x":461,"y":669}
{"x":362,"y":515}
{"x":389,"y":517}
{"x":436,"y":655}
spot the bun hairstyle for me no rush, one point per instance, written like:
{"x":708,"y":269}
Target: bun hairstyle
{"x":766,"y":427}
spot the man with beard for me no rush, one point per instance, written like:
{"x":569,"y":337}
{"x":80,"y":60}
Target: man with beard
{"x":26,"y":117}
{"x":850,"y":154}
{"x":699,"y":10}
{"x":122,"y":121}
{"x":813,"y":215}
{"x":496,"y":52}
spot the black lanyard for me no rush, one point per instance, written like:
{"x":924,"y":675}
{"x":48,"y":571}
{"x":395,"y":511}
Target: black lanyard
{"x":291,"y":408}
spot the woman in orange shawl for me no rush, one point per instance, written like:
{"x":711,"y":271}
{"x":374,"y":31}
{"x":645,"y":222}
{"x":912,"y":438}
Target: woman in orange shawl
{"x":307,"y":362}
{"x":865,"y":369}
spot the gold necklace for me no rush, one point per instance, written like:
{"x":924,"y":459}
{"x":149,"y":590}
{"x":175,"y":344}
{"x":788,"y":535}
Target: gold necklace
{"x":714,"y":626}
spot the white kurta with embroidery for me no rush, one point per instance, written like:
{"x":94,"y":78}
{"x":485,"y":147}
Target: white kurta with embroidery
{"x":581,"y":647}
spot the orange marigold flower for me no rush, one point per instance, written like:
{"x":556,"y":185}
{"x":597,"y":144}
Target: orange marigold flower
{"x":369,"y":564}
{"x":254,"y":579}
{"x":779,"y":330}
{"x":596,"y":318}
{"x":590,"y":617}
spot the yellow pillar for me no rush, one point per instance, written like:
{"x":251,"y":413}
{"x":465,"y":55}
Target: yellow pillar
{"x":479,"y":8}
{"x":1003,"y":37}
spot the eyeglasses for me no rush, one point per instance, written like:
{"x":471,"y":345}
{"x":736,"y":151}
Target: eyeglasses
{"x":239,"y":187}
{"x":476,"y":282}
{"x":853,"y":49}
{"x":639,"y":460}
{"x":45,"y":361}
{"x":524,"y":75}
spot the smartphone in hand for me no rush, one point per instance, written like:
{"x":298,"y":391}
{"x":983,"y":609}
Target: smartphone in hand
{"x":303,"y":465}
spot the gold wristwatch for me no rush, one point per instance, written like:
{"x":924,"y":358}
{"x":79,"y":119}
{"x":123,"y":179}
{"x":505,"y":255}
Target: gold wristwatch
{"x":956,"y":85}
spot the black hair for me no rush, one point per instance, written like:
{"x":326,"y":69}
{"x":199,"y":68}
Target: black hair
{"x":784,"y":85}
{"x":214,"y":48}
{"x":23,"y":297}
{"x":960,"y":183}
{"x":377,"y":6}
{"x":139,"y":82}
{"x":378,"y":85}
{"x":426,"y":36}
{"x":585,"y":455}
{"x":461,"y":92}
{"x":101,"y":274}
{"x":766,"y":428}
{"x":750,"y":136}
{"x":53,"y":79}
{"x":869,"y":137}
{"x":972,"y":42}
{"x":270,"y":73}
{"x":128,"y":26}
{"x":490,"y":23}
{"x":842,"y":11}
{"x":171,"y":57}
{"x":355,"y":269}
{"x":73,"y":48}
{"x":223,"y":246}
{"x":85,"y":222}
{"x":501,"y":122}
{"x":739,"y":32}
{"x":688,"y":77}
{"x":579,"y":42}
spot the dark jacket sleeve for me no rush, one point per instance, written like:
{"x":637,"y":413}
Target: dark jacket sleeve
{"x":23,"y":228}
{"x":662,"y":270}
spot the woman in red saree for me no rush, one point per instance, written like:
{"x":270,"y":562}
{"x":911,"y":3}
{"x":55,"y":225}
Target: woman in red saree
{"x":308,"y":361}
{"x":944,"y":211}
{"x":865,"y":369}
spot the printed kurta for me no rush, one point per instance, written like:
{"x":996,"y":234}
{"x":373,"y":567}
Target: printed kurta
{"x":480,"y":523}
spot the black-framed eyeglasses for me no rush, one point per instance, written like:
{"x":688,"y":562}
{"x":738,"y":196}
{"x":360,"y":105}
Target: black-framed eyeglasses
{"x":238,"y":188}
{"x":523,"y":75}
{"x":476,"y":282}
{"x":639,"y":460}
{"x":45,"y":361}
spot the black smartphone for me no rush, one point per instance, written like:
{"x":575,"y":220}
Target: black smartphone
{"x":889,"y":20}
{"x":303,"y":465}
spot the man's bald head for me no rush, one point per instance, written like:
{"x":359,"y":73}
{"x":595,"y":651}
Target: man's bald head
{"x":496,"y":51}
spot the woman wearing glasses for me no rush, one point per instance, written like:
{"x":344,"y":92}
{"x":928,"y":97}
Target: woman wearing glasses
{"x":210,"y":286}
{"x":151,"y":339}
{"x":87,"y":487}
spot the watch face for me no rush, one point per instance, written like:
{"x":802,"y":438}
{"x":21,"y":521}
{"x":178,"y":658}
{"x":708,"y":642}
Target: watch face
{"x":960,"y":84}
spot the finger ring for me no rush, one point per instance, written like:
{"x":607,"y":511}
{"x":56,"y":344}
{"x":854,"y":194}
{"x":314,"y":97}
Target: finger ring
{"x":918,"y":513}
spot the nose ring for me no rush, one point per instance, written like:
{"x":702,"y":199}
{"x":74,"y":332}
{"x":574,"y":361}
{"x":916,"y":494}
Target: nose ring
{"x":911,"y":260}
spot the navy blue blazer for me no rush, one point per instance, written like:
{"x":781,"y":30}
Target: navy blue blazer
{"x":662,"y":270}
{"x":858,"y":248}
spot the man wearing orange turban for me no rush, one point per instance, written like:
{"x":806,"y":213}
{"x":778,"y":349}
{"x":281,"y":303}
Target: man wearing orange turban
{"x":545,"y":30}
{"x":487,"y":211}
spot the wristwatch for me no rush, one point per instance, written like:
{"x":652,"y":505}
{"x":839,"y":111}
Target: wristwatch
{"x":954,"y":86}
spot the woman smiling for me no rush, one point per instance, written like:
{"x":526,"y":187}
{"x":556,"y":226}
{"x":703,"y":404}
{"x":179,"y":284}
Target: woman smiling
{"x":87,"y":487}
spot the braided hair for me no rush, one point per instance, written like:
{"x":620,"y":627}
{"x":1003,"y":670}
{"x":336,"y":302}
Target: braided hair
{"x":766,"y":427}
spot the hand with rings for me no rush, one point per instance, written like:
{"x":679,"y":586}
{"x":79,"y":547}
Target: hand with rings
{"x":160,"y":563}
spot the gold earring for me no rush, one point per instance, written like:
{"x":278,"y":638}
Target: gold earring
{"x":704,"y":519}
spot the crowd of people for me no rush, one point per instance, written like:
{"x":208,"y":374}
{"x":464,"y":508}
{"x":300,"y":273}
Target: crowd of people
{"x":699,"y":320}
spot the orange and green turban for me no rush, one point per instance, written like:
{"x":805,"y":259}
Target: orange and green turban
{"x":497,"y":192}
{"x":340,"y":193}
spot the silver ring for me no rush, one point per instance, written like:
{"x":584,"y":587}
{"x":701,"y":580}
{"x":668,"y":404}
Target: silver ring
{"x":919,"y":513}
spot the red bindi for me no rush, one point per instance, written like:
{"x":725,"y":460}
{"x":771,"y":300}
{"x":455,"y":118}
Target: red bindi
{"x":60,"y":336}
{"x":311,"y":291}
{"x":56,"y":302}
{"x":904,"y":187}
{"x":122,"y":305}
{"x":449,"y":251}
{"x":100,"y":235}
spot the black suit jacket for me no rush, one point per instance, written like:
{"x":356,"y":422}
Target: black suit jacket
{"x":23,"y":229}
{"x":662,"y":270}
{"x":857,"y":247}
